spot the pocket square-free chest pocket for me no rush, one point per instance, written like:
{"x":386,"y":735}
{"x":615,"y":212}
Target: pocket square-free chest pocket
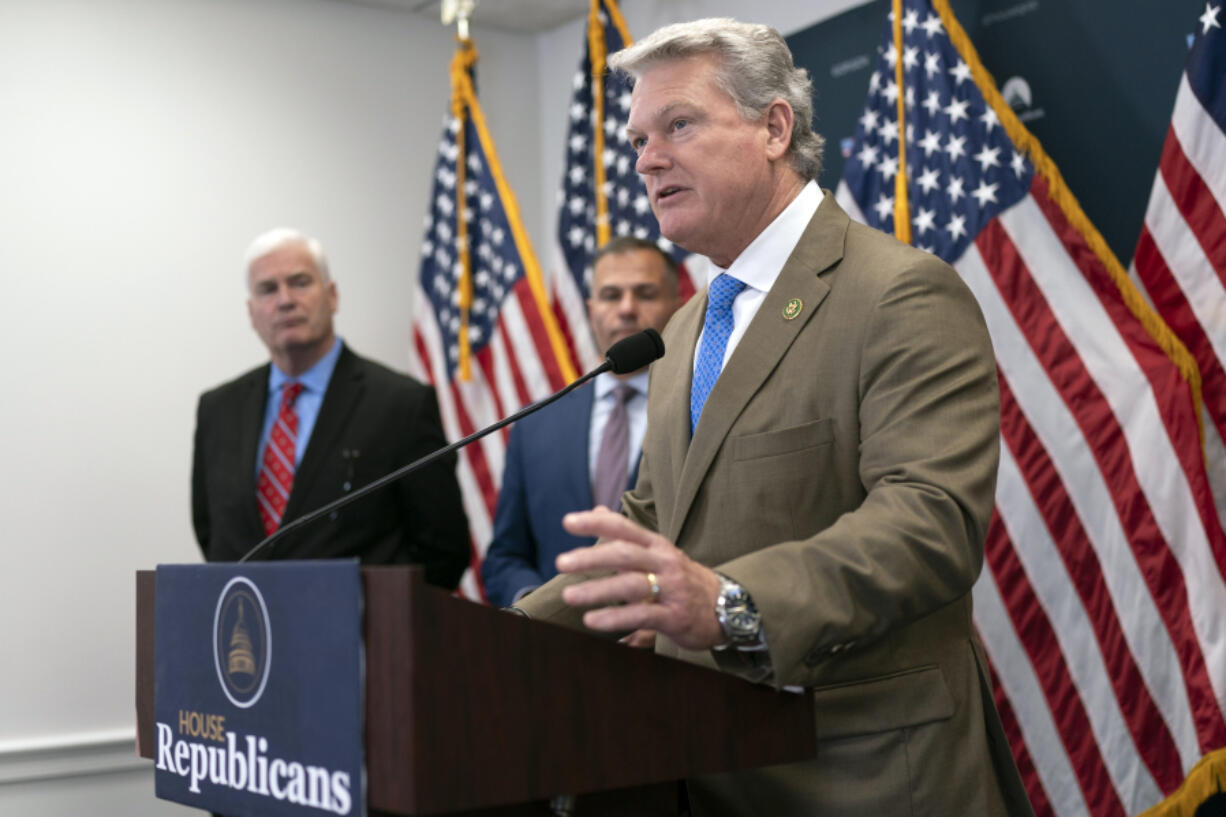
{"x":783,"y":440}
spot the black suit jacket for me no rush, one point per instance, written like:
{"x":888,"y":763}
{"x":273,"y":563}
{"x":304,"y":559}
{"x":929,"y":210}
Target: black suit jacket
{"x":372,"y":421}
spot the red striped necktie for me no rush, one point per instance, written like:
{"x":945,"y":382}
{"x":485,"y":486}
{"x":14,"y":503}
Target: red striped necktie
{"x":277,"y":465}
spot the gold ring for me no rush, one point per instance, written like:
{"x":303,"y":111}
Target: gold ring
{"x":655,"y":589}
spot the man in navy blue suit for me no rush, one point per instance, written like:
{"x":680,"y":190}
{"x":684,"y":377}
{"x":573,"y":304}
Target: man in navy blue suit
{"x":584,"y":449}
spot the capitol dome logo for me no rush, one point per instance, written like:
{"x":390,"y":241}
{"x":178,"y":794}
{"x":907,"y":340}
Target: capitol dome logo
{"x":1016,"y":92}
{"x":242,"y":642}
{"x":1018,"y":95}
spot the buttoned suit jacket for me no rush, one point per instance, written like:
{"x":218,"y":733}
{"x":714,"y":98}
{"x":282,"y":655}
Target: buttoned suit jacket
{"x":547,"y":475}
{"x":843,"y":471}
{"x":372,"y":421}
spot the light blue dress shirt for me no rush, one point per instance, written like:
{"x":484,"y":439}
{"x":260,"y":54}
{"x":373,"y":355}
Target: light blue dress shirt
{"x":314,"y":383}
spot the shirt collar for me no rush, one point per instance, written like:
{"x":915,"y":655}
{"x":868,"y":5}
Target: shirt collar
{"x":761,"y":262}
{"x":605,"y":382}
{"x":314,"y":379}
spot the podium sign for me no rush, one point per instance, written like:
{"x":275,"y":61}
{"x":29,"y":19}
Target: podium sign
{"x":258,"y":682}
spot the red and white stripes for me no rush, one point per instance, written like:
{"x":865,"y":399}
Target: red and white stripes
{"x":1181,"y":258}
{"x":1103,"y":573}
{"x":514,"y":369}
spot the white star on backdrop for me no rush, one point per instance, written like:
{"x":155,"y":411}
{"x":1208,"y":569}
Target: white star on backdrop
{"x":1209,"y":18}
{"x":933,"y":103}
{"x":987,"y":158}
{"x":957,"y":109}
{"x":961,"y":72}
{"x":956,"y":147}
{"x":985,"y":192}
{"x":884,"y":206}
{"x":930,"y":143}
{"x":932,"y":63}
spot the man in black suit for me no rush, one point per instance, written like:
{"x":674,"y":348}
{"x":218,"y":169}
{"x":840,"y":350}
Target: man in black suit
{"x":349,"y":422}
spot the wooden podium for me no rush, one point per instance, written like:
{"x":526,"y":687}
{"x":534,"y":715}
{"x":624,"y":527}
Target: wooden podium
{"x":478,"y":711}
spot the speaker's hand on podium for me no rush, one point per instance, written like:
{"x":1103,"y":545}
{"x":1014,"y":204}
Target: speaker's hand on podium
{"x":655,"y":585}
{"x":640,"y":639}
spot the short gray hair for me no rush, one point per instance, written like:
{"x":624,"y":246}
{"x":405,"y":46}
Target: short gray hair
{"x":756,"y":68}
{"x":279,"y":237}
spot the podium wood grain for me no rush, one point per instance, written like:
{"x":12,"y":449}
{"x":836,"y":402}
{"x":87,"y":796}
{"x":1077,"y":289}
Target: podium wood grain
{"x":478,"y":711}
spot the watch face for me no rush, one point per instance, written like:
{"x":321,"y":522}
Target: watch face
{"x":737,"y":614}
{"x":742,"y":621}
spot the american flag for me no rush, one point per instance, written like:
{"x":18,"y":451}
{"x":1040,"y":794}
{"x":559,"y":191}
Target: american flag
{"x":1102,"y":601}
{"x":600,"y":185}
{"x":483,"y":332}
{"x":1180,"y":258}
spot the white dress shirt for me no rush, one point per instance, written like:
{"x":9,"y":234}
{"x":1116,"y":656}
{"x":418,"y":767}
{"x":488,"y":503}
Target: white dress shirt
{"x":759,"y":265}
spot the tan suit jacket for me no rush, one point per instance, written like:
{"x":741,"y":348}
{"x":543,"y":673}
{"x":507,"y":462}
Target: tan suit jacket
{"x":843,"y":471}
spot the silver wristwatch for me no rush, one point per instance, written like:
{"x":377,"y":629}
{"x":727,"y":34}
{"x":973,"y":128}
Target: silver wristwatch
{"x":737,"y":615}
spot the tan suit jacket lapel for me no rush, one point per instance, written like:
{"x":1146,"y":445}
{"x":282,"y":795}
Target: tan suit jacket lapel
{"x":765,"y":342}
{"x":676,"y":381}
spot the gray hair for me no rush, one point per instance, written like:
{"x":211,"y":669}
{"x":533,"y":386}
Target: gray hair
{"x":280,"y":237}
{"x":756,"y":69}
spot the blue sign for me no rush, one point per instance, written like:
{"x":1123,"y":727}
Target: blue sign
{"x":258,"y":703}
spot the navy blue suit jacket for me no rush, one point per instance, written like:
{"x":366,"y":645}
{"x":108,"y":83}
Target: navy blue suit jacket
{"x":546,"y":476}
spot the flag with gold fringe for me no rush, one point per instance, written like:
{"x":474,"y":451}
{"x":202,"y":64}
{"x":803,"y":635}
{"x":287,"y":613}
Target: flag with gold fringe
{"x":601,"y":195}
{"x":1203,"y":793}
{"x":483,"y":330}
{"x":1102,"y":597}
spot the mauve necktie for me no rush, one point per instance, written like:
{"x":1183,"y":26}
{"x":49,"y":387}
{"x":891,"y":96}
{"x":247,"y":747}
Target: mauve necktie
{"x":613,"y":460}
{"x":277,"y":465}
{"x":716,"y":328}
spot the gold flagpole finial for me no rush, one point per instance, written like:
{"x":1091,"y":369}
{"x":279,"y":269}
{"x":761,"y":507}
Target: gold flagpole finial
{"x":458,"y":12}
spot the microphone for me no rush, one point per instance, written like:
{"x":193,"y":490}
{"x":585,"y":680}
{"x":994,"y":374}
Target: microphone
{"x":627,"y":355}
{"x":632,"y":353}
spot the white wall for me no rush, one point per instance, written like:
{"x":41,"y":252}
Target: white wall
{"x":143,"y":143}
{"x":142,"y":146}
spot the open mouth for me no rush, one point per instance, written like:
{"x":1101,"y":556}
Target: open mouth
{"x":667,"y":192}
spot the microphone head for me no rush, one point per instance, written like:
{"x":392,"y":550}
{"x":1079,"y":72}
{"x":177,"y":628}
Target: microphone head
{"x":633,"y":353}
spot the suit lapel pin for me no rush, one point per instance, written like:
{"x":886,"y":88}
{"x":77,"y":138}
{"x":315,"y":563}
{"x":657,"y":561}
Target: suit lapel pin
{"x":792,"y":309}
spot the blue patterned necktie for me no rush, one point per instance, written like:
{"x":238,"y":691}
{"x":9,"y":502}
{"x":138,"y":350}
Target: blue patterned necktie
{"x":715,"y":331}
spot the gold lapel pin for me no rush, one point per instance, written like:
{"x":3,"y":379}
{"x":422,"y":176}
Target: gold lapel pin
{"x":792,"y":309}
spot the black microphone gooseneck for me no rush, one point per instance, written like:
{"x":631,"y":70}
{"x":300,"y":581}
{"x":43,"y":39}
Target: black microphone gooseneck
{"x":627,"y":355}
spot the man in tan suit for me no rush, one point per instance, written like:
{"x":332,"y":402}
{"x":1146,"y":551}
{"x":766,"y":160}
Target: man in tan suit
{"x":820,"y":457}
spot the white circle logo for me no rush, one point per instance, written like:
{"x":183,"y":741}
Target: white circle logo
{"x":242,"y":642}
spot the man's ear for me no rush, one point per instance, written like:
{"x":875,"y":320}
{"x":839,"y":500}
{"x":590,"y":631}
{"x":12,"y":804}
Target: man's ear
{"x":779,"y":122}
